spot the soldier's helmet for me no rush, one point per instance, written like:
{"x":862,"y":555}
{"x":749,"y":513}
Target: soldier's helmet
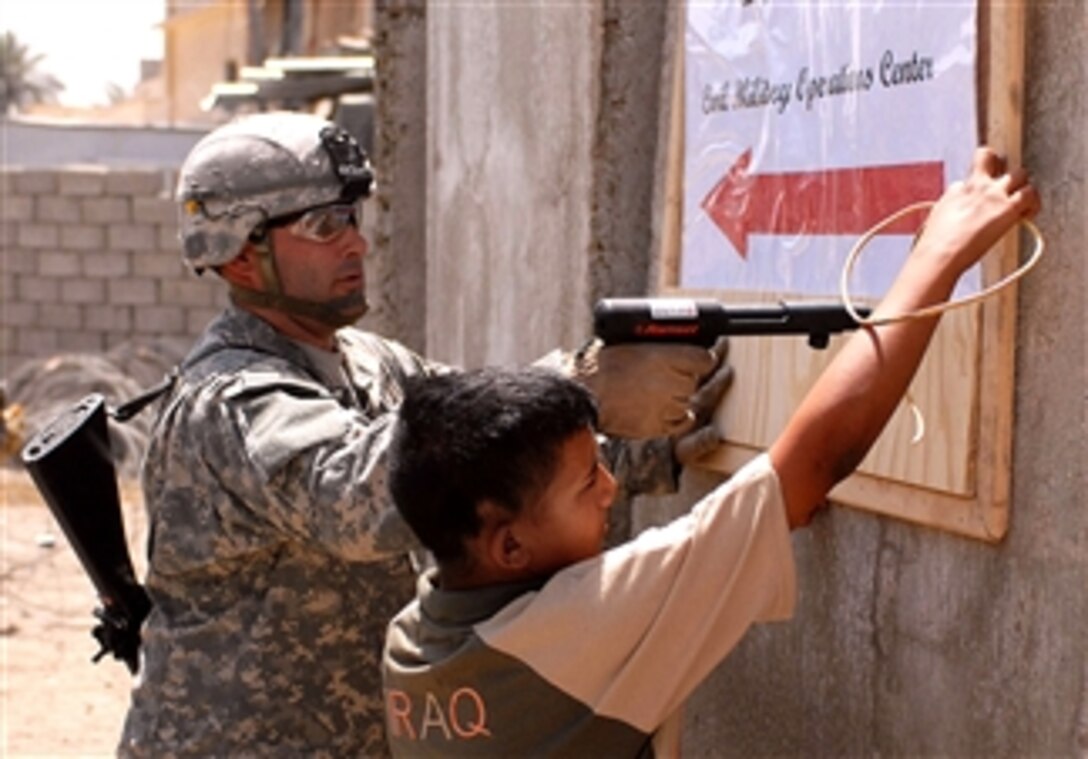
{"x":258,"y":168}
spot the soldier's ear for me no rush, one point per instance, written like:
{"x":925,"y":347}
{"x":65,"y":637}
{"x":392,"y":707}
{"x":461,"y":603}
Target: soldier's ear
{"x":244,"y":269}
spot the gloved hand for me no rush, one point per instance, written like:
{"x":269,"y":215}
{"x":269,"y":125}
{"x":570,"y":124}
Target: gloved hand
{"x":703,"y":437}
{"x":646,"y":390}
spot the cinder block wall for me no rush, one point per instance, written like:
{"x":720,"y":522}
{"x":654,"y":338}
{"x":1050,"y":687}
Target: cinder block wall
{"x":90,"y":258}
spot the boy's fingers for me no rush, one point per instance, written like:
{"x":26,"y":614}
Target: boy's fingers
{"x":1015,"y":179}
{"x":989,"y":162}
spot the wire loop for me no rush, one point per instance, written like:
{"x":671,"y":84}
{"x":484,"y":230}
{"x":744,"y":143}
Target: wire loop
{"x":848,"y":304}
{"x":851,"y":259}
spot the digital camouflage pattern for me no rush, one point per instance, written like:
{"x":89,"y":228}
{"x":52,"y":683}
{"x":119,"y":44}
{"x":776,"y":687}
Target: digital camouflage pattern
{"x":275,"y":556}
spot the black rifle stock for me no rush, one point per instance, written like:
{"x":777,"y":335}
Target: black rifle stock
{"x":70,"y":463}
{"x":701,"y":322}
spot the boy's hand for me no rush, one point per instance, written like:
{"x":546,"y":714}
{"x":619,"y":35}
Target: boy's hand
{"x":973,"y":214}
{"x":839,"y":419}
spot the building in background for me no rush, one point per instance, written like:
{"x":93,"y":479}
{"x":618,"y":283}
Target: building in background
{"x":222,"y":56}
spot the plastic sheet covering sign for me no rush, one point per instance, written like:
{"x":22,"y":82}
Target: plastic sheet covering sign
{"x":808,"y":122}
{"x":803,"y":124}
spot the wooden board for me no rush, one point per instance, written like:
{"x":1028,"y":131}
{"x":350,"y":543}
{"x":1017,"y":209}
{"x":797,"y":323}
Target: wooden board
{"x":957,"y":477}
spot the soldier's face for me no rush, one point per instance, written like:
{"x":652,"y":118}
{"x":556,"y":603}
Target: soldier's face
{"x":329,"y":271}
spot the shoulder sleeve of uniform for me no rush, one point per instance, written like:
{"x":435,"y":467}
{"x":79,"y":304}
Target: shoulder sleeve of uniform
{"x":380,"y":367}
{"x":281,"y":415}
{"x":375,"y":354}
{"x":306,"y":465}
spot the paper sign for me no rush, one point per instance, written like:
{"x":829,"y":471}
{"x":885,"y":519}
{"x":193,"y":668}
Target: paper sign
{"x":807,"y":123}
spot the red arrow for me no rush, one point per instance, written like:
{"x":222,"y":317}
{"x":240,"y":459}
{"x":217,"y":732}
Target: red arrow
{"x":827,"y":202}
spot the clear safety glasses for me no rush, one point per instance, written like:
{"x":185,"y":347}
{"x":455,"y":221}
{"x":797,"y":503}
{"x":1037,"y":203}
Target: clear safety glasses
{"x":321,"y":224}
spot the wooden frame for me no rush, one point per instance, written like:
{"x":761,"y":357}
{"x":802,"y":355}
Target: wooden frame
{"x":978,"y":342}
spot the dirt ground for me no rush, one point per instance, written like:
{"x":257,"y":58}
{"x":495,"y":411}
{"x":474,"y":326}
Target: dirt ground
{"x":53,"y":700}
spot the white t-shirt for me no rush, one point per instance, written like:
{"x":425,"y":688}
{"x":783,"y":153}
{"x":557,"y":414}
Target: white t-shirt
{"x":596,"y":659}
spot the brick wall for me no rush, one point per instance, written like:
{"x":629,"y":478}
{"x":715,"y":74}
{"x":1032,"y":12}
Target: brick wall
{"x":90,"y":258}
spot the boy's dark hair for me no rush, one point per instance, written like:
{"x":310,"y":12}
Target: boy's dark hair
{"x":487,"y":434}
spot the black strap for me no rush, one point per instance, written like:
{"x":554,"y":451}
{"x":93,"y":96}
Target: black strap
{"x":327,"y":313}
{"x":134,"y":406}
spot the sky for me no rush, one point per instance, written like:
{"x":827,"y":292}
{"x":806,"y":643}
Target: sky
{"x":87,"y":44}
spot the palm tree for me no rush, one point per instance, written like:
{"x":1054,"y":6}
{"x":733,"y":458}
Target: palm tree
{"x":115,"y":93}
{"x":20,"y":81}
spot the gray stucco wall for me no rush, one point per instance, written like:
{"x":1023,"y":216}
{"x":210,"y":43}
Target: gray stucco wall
{"x":906,"y":641}
{"x":511,"y":197}
{"x":397,"y":266}
{"x":511,"y":114}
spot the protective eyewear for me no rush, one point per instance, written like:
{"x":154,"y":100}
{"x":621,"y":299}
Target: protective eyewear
{"x":321,"y":224}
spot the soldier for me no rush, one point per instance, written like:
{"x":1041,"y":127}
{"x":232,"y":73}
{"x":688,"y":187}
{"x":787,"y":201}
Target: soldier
{"x":275,"y":556}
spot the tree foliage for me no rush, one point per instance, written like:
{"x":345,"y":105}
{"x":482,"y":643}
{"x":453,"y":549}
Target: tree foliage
{"x":21,"y":81}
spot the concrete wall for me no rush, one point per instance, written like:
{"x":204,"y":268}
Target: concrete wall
{"x":30,"y":143}
{"x":198,"y":42}
{"x":907,"y":641}
{"x":397,"y":267}
{"x":89,"y":259}
{"x":511,"y":118}
{"x":542,"y":144}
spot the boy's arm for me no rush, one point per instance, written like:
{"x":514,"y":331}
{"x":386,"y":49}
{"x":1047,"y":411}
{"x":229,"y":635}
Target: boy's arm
{"x":844,"y":412}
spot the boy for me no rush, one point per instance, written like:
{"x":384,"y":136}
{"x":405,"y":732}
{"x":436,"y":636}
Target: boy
{"x":528,"y":639}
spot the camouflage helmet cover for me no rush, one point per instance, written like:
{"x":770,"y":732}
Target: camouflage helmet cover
{"x":257,"y":168}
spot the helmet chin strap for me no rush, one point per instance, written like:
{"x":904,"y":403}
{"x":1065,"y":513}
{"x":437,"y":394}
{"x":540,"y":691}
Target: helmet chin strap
{"x":330,"y":313}
{"x":335,"y":313}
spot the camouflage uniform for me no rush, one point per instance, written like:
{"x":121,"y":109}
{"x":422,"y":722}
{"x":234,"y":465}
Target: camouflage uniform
{"x":271,"y":532}
{"x":270,"y":520}
{"x":276,"y":558}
